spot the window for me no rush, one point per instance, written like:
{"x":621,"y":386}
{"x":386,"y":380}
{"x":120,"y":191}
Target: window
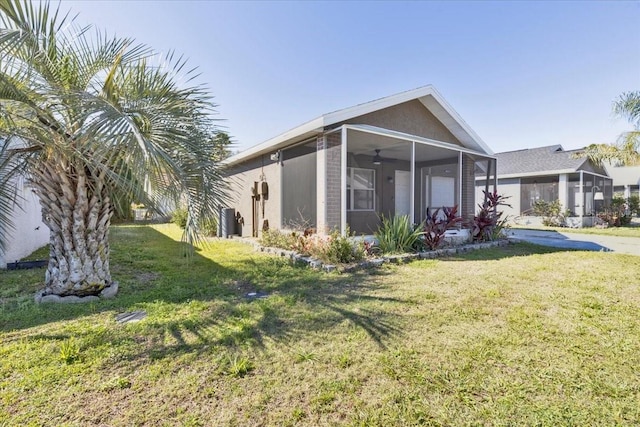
{"x":361,"y":189}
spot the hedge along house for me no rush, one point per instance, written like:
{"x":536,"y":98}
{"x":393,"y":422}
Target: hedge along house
{"x":549,"y":174}
{"x":397,"y":155}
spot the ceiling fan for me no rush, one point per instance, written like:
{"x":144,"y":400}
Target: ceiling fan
{"x":378,"y":159}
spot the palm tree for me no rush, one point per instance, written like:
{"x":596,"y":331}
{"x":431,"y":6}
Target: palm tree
{"x":627,"y":150}
{"x":89,"y":119}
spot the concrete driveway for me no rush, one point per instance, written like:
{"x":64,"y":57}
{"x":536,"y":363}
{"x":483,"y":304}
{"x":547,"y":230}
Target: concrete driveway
{"x":585,"y":242}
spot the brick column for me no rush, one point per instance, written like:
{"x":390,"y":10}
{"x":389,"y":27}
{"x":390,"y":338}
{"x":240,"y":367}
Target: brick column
{"x":321,"y":186}
{"x":467,"y":210}
{"x":333,"y":155}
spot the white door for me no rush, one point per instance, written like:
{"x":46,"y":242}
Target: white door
{"x":443,"y":191}
{"x":403,"y":192}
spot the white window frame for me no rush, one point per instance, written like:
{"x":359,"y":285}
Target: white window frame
{"x":351,"y":189}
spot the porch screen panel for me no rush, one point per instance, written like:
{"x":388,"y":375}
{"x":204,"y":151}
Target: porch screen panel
{"x":575,"y":203}
{"x":299,"y":196}
{"x":537,"y":189}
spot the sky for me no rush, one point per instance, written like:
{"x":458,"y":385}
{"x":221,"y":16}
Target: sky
{"x":521,"y":74}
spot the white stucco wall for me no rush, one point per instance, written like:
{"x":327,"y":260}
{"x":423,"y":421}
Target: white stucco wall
{"x":29,"y":232}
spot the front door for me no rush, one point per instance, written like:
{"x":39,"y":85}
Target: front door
{"x":403,"y":192}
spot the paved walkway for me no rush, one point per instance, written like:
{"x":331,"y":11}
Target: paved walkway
{"x":585,"y":242}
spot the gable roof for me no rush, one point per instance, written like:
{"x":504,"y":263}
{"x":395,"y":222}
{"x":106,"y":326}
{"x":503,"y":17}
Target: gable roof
{"x":427,"y":95}
{"x":539,"y":161}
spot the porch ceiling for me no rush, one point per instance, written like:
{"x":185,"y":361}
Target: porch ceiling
{"x":364,"y":140}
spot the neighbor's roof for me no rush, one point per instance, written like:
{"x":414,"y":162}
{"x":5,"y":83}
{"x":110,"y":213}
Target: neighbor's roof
{"x":624,"y":175}
{"x":428,"y":95}
{"x":538,"y":161}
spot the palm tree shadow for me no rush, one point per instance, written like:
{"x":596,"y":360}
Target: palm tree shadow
{"x":231,"y":319}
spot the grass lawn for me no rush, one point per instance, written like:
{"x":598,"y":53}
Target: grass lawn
{"x":522,"y":335}
{"x":628,"y":231}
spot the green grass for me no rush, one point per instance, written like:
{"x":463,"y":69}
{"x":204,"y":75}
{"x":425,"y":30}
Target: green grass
{"x":522,"y":335}
{"x":628,"y":231}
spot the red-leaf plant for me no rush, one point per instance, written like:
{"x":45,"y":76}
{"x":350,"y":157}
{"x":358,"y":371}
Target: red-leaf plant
{"x":487,"y":223}
{"x":436,"y":225}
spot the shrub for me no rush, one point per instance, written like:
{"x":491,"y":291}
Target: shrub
{"x":179,"y":217}
{"x":397,"y":235}
{"x":335,"y":248}
{"x":551,"y":213}
{"x":616,"y":214}
{"x":209,"y":226}
{"x":488,"y":222}
{"x":436,"y":226}
{"x":629,"y":206}
{"x":614,"y":219}
{"x":633,"y":203}
{"x":343,"y":249}
{"x":278,"y":239}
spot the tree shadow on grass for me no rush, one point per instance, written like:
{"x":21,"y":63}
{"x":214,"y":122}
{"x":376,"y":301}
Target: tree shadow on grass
{"x":501,"y":252}
{"x":197,"y":303}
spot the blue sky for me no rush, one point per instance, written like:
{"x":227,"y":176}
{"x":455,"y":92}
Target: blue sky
{"x":521,"y":74}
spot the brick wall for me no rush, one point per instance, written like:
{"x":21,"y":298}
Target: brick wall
{"x":468,"y":188}
{"x":333,"y":180}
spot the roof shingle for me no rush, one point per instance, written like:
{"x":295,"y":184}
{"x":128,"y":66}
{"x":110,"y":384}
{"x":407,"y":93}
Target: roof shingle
{"x":543,"y":160}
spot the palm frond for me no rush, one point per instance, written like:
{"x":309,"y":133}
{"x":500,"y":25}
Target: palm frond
{"x":627,"y":106}
{"x":102,"y":104}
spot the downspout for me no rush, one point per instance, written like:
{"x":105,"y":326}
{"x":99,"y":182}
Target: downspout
{"x":460,"y":207}
{"x":413,"y":182}
{"x":343,"y":181}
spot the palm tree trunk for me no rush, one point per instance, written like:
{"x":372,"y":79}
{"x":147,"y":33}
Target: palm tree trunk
{"x":77,"y":210}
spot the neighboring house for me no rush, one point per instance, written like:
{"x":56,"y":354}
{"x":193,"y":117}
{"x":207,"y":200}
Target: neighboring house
{"x":397,"y":155}
{"x":29,"y":232}
{"x":549,"y":174}
{"x":626,"y":180}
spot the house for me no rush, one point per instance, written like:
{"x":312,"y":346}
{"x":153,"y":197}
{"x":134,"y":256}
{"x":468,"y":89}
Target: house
{"x":550,"y":173}
{"x":626,"y":180}
{"x":29,"y":232}
{"x":398,"y":155}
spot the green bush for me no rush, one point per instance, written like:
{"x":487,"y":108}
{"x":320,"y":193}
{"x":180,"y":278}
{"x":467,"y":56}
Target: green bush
{"x":619,"y":212}
{"x":278,"y":239}
{"x":551,"y":213}
{"x":334,"y":248}
{"x":397,"y":235}
{"x":634,"y":205}
{"x":629,"y":206}
{"x":209,"y":226}
{"x":179,"y":217}
{"x":342,"y":249}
